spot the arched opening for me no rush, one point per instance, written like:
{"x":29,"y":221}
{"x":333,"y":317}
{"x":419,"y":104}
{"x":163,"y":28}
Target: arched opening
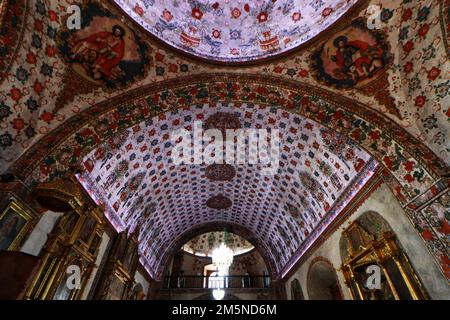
{"x":323,"y":283}
{"x":187,"y":270}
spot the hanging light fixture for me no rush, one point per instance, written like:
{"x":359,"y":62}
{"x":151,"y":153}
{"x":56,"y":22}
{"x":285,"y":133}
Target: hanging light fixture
{"x":218,"y":294}
{"x":222,"y":258}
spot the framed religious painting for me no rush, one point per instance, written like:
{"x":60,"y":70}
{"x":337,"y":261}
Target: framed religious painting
{"x":16,"y":223}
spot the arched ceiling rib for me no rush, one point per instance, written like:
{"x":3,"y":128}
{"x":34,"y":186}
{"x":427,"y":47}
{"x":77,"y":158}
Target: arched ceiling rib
{"x":133,"y":174}
{"x":231,"y":31}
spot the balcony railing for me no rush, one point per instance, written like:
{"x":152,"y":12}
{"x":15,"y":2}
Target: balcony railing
{"x":203,"y":282}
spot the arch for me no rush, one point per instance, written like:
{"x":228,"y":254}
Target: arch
{"x":366,"y":127}
{"x":211,"y":227}
{"x":391,"y":145}
{"x":296,"y":290}
{"x":322,"y":281}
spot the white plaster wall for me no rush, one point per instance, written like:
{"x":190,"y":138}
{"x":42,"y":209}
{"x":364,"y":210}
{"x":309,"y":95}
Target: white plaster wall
{"x":101,"y":253}
{"x":139,"y":278}
{"x":383,"y":202}
{"x":38,"y":237}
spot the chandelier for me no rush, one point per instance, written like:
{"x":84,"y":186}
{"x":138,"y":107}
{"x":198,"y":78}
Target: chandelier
{"x":222,"y":257}
{"x":218,"y":294}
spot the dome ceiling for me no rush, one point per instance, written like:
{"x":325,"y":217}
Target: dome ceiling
{"x":204,"y":244}
{"x":134,"y":176}
{"x":235,"y":31}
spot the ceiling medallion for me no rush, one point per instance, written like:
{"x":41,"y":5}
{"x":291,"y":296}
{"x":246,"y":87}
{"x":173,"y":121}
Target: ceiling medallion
{"x":223,"y":121}
{"x":220,"y":172}
{"x":219,"y":202}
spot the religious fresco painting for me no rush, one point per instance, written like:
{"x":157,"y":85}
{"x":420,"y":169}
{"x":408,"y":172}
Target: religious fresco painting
{"x":104,"y":53}
{"x":356,"y":58}
{"x":352,"y":57}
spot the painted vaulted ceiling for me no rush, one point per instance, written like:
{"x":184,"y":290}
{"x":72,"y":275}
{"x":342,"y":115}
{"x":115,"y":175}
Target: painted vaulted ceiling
{"x":235,"y":31}
{"x":135,"y":176}
{"x":372,"y":88}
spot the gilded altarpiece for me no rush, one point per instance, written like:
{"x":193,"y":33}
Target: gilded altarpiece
{"x":376,"y":268}
{"x":117,"y":280}
{"x":72,"y":247}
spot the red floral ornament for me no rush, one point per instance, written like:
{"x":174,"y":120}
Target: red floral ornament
{"x":197,"y":13}
{"x":326,"y":12}
{"x":236,"y":13}
{"x":38,"y":26}
{"x":53,"y":16}
{"x":38,"y":87}
{"x":262,"y":17}
{"x":138,"y":9}
{"x":159,"y":57}
{"x":408,"y":47}
{"x":424,"y":30}
{"x":216,"y":34}
{"x":278,"y":69}
{"x":47,"y":116}
{"x":167,"y":15}
{"x":409,"y":166}
{"x":427,"y":235}
{"x":18,"y":124}
{"x":16,"y":94}
{"x":408,"y":67}
{"x":407,"y":14}
{"x":173,"y":68}
{"x":31,"y":58}
{"x":434,"y":73}
{"x":50,"y":51}
{"x":420,"y":101}
{"x":408,"y":178}
{"x":303,"y":73}
{"x":375,"y":135}
{"x":388,"y":162}
{"x":296,"y":16}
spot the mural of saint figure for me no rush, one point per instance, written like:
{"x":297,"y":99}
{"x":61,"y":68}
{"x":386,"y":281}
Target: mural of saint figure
{"x":356,"y":59}
{"x":104,"y":51}
{"x":100,"y":53}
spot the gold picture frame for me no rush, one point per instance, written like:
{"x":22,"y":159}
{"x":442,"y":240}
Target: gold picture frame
{"x":16,"y":223}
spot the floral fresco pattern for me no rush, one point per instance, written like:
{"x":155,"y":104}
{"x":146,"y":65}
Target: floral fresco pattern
{"x":153,"y":180}
{"x":12,"y":16}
